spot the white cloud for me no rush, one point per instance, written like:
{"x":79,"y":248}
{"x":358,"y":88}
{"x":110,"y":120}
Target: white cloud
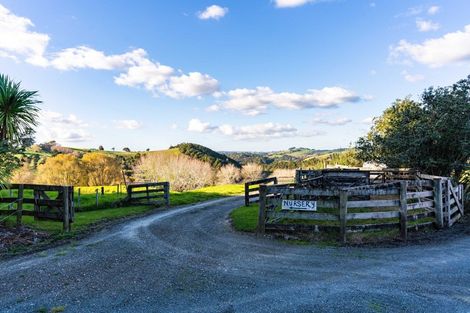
{"x":433,"y":10}
{"x":151,"y":75}
{"x":213,"y":12}
{"x":256,"y":101}
{"x":450,"y":48}
{"x":337,"y":122}
{"x":196,"y":125}
{"x":291,"y":3}
{"x":174,"y":126}
{"x":426,"y":25}
{"x":250,"y":132}
{"x":86,"y":57}
{"x":412,"y":78}
{"x":128,"y":124}
{"x":191,"y":85}
{"x":56,"y":126}
{"x":368,"y":121}
{"x":18,"y":40}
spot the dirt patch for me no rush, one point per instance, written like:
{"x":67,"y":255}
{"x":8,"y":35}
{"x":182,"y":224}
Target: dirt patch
{"x":19,"y":237}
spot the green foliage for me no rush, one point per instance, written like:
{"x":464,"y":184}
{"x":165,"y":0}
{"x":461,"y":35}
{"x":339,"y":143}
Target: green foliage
{"x":432,"y":135}
{"x":18,"y":111}
{"x":205,"y":154}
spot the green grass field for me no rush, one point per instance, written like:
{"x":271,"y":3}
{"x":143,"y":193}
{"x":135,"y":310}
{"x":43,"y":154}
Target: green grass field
{"x":84,"y":219}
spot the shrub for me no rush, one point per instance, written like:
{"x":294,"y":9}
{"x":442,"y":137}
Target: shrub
{"x":182,"y":172}
{"x":252,"y":171}
{"x":102,"y":169}
{"x":228,"y":174}
{"x":23,"y":175}
{"x":62,"y":169}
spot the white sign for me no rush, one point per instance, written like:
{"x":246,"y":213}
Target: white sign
{"x":304,"y":205}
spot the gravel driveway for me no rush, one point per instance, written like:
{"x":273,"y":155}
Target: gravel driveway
{"x":189,"y":260}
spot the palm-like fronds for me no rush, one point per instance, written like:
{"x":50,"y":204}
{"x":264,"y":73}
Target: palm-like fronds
{"x":18,"y":110}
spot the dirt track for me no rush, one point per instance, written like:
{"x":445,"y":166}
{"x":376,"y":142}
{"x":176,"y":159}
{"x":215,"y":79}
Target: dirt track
{"x":189,"y":260}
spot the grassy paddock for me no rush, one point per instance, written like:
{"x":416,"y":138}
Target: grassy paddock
{"x":86,"y":219}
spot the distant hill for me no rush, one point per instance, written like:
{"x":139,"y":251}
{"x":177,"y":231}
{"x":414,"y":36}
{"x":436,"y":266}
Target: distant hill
{"x":205,"y":154}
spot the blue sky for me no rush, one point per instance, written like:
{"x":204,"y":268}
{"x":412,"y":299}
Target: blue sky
{"x":232,"y":75}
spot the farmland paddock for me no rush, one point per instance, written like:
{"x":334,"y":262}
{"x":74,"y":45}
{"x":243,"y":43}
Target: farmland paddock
{"x":355,"y":201}
{"x":43,"y":202}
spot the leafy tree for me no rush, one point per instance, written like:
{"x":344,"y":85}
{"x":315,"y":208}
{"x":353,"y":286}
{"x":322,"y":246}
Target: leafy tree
{"x":126,"y":149}
{"x":101,"y":169}
{"x":101,"y":148}
{"x":18,"y":116}
{"x":62,"y":169}
{"x":432,"y":135}
{"x":18,"y":111}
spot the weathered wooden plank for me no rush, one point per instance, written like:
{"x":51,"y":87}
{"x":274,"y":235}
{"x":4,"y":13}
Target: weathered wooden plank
{"x":455,"y":197}
{"x":373,"y":215}
{"x":262,"y":210}
{"x":373,"y":203}
{"x":403,"y":210}
{"x":419,"y":194}
{"x":374,"y":192}
{"x":300,"y":191}
{"x":455,"y":219}
{"x":36,"y":187}
{"x":420,"y":183}
{"x":454,"y":209}
{"x":416,"y":227}
{"x":297,"y":215}
{"x":8,"y":199}
{"x":421,"y":205}
{"x":438,"y":206}
{"x":296,"y":228}
{"x":343,"y":214}
{"x":355,"y":228}
{"x":148,"y":191}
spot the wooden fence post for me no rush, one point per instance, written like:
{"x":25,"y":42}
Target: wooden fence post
{"x":97,"y":200}
{"x":462,"y":197}
{"x":10,"y":206}
{"x":167,"y":193}
{"x":102,"y":190}
{"x":19,"y":205}
{"x":78,"y":200}
{"x":262,"y":209}
{"x":447,"y":189}
{"x":66,"y":204}
{"x":403,"y":211}
{"x":343,"y":212}
{"x":438,"y":207}
{"x":247,"y":195}
{"x":275,"y":180}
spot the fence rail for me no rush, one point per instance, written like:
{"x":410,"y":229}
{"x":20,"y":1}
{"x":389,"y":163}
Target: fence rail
{"x":404,"y":205}
{"x":252,"y":189}
{"x":48,"y":203}
{"x":148,"y":193}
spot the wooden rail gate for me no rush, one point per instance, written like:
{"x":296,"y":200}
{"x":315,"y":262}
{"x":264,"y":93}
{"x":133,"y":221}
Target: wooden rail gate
{"x":148,"y":193}
{"x":345,"y":205}
{"x":43,"y":202}
{"x":252,"y":189}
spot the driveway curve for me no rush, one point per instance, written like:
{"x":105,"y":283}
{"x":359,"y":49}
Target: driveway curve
{"x":189,"y":260}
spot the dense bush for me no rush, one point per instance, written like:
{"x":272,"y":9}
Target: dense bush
{"x":229,"y":174}
{"x":252,"y":171}
{"x":182,"y":172}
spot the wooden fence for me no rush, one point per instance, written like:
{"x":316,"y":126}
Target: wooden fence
{"x":148,"y":193}
{"x":43,"y":202}
{"x":252,"y":189}
{"x":406,"y":204}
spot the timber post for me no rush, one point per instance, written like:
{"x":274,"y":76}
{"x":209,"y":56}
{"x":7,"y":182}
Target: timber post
{"x":438,"y":207}
{"x":403,"y":211}
{"x":66,"y":208}
{"x":343,"y":212}
{"x":167,"y":193}
{"x":262,"y":209}
{"x":19,"y":205}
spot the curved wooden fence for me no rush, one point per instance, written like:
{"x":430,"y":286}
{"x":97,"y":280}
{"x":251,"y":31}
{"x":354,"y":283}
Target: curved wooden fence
{"x":404,"y":205}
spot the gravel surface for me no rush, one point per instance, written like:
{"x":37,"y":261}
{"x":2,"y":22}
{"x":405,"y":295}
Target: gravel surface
{"x":189,"y":260}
